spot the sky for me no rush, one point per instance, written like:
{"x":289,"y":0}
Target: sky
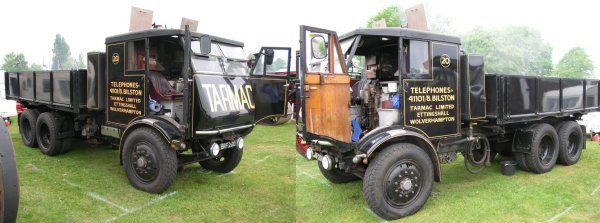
{"x":30,"y":26}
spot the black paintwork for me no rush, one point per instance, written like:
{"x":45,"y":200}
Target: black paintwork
{"x":266,"y":98}
{"x":163,"y":32}
{"x":472,"y":86}
{"x":61,"y":89}
{"x":403,"y":33}
{"x":115,"y":74}
{"x":442,"y":77}
{"x":514,"y":99}
{"x":96,"y":80}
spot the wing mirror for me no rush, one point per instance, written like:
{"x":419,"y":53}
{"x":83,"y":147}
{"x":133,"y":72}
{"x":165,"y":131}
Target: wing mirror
{"x":205,"y":45}
{"x":269,"y":55}
{"x":318,"y":47}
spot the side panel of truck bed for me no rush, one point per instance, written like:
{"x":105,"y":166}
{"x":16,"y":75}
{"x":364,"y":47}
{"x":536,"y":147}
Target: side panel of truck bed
{"x":512,"y":98}
{"x":63,"y":90}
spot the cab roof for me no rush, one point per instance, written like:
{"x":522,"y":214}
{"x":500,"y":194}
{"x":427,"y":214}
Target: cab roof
{"x":402,"y":32}
{"x":164,"y":32}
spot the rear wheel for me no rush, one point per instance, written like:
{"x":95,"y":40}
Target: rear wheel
{"x":47,"y":132}
{"x":544,"y":148}
{"x":398,"y":181}
{"x":27,"y":127}
{"x":149,"y":162}
{"x":571,"y":140}
{"x":225,"y":162}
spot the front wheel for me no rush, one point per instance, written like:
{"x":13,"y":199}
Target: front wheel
{"x":225,"y":162}
{"x":398,"y":181}
{"x":148,"y":161}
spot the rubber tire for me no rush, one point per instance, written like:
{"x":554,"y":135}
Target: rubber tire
{"x":564,"y":133}
{"x":225,"y":163}
{"x":373,"y":185}
{"x":337,"y":176}
{"x":9,"y":178}
{"x":166,"y":158}
{"x":56,"y":146}
{"x":532,"y":160}
{"x":28,"y":117}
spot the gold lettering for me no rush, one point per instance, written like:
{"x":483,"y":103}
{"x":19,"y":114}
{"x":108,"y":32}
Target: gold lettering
{"x":224,"y":89}
{"x":217,"y":99}
{"x":249,"y":95}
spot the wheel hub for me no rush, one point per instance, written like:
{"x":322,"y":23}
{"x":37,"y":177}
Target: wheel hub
{"x":143,"y":161}
{"x":406,"y":184}
{"x":403,"y":184}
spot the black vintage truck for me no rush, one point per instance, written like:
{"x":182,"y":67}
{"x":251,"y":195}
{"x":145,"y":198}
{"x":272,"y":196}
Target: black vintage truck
{"x":164,"y":97}
{"x":421,"y":101}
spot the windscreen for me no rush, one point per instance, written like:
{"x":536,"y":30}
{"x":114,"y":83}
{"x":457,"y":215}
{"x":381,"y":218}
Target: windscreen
{"x":223,"y":59}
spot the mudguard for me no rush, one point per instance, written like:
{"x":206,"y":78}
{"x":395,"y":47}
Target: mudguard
{"x":378,"y":138}
{"x":166,"y":128}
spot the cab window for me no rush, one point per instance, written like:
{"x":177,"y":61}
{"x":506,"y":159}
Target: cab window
{"x":418,"y":64}
{"x":136,"y":55}
{"x":279,"y":65}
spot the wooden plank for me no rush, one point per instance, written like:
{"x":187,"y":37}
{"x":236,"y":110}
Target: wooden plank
{"x":416,"y":19}
{"x":141,"y":19}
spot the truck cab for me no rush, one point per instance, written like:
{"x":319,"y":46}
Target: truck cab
{"x":420,"y":102}
{"x":164,"y":97}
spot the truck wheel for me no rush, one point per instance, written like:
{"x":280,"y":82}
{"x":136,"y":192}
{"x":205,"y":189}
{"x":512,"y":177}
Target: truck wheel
{"x":337,"y":176}
{"x":27,"y":127}
{"x":149,"y":163}
{"x":398,"y":181}
{"x":570,"y":140}
{"x":544,"y":148}
{"x":225,"y":162}
{"x":47,"y":135}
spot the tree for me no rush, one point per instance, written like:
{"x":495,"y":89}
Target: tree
{"x":15,"y":62}
{"x":61,"y":60}
{"x":36,"y":67}
{"x":511,"y":50}
{"x":575,"y":63}
{"x":439,"y":23}
{"x":81,"y":62}
{"x":392,"y":14}
{"x":277,"y":65}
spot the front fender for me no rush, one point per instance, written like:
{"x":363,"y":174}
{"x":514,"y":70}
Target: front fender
{"x":166,"y":129}
{"x":382,"y":137}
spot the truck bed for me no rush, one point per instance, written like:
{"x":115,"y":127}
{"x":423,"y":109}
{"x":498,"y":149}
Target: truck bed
{"x":61,"y":89}
{"x":512,"y":98}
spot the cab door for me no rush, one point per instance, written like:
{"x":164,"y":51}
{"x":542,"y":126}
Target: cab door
{"x":325,"y":89}
{"x":269,"y":78}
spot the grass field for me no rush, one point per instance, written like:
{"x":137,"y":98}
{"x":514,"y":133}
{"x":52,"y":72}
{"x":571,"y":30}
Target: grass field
{"x":566,"y":194}
{"x":88,"y":185}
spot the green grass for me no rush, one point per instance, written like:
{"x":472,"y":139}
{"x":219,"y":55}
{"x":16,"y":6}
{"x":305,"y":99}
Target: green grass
{"x":463,"y":197}
{"x":265,"y":188}
{"x":69,"y":187}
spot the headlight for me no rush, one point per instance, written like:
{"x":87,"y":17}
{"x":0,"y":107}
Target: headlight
{"x":326,"y":162}
{"x":240,"y":143}
{"x":214,"y":149}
